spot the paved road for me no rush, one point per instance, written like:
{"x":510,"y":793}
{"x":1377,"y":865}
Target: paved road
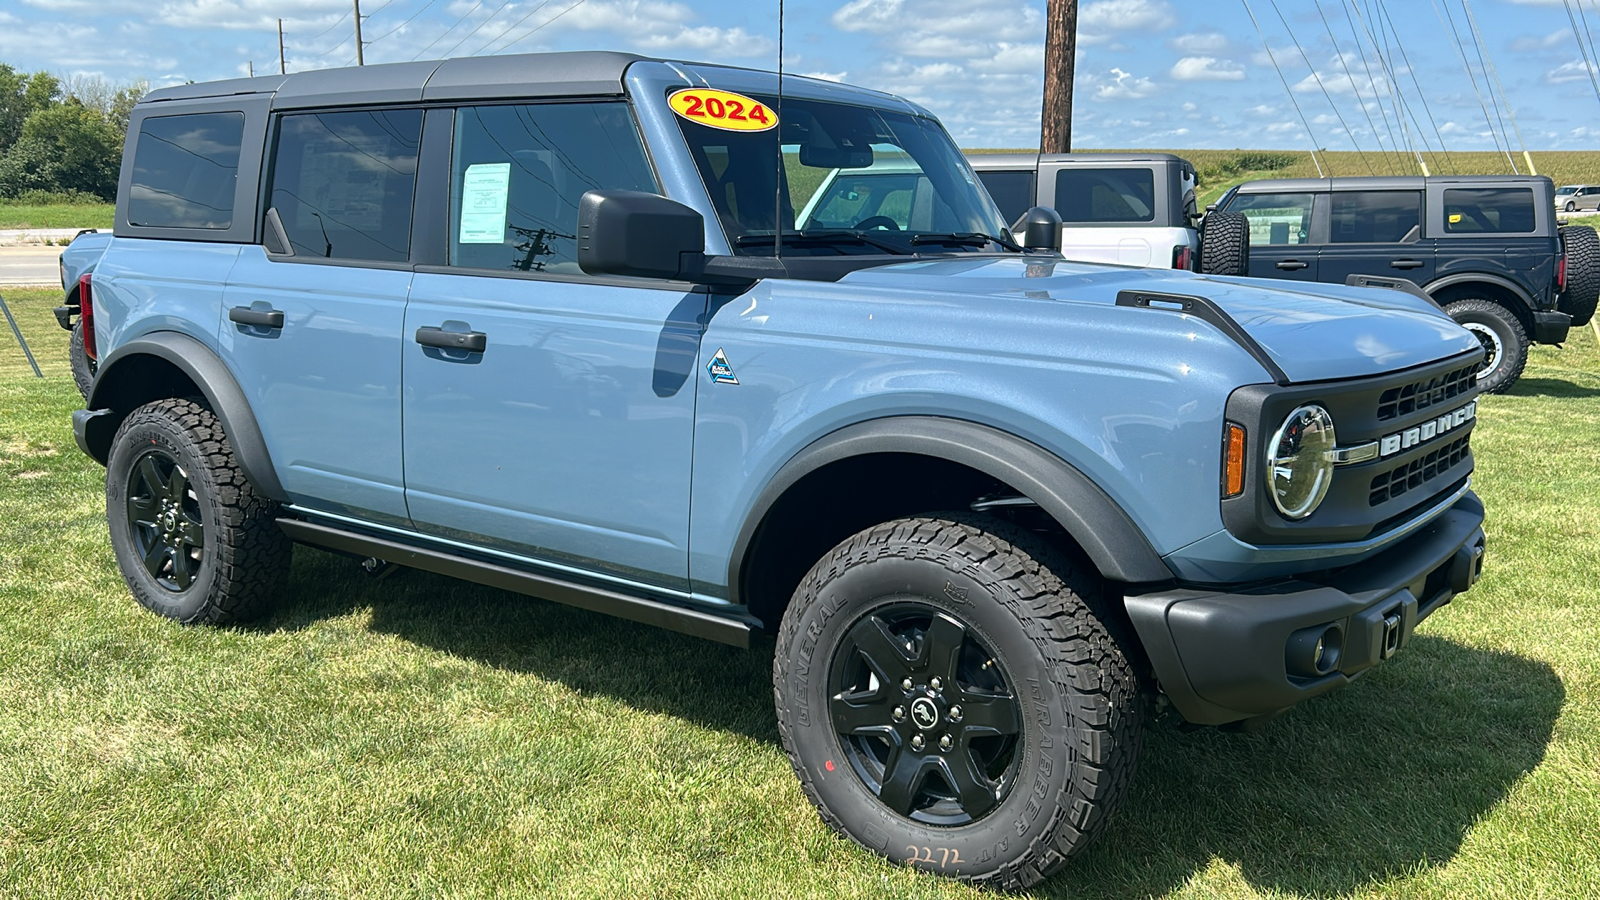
{"x":30,"y":265}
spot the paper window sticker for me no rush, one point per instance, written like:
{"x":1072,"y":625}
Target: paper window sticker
{"x":484,"y":189}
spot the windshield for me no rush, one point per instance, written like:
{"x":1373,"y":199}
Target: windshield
{"x":1566,"y":190}
{"x":855,"y":180}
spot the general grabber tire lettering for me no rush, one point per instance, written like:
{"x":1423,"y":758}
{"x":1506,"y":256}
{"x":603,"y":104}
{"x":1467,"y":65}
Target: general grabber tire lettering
{"x":951,"y":697}
{"x":193,"y":538}
{"x":1582,"y":247}
{"x":1225,"y":244}
{"x":1505,"y":343}
{"x":82,"y":366}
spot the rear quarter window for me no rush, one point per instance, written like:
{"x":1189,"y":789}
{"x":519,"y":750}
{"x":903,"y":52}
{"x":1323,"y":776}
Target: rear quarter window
{"x":185,"y":169}
{"x":1489,"y":211}
{"x":1091,"y":196}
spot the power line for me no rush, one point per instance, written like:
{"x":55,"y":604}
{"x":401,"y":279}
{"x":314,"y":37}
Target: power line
{"x":1387,"y":68}
{"x":1286,"y":89}
{"x":1406,"y":58}
{"x":1584,"y":54}
{"x":487,"y":20}
{"x":448,"y":30}
{"x":1325,"y":95}
{"x":1495,"y":74}
{"x":512,"y":27}
{"x":1477,"y":44}
{"x":1462,"y":52}
{"x":419,"y":12}
{"x":1372,"y":82}
{"x":558,"y":15}
{"x":1361,"y":101}
{"x":1404,"y":104}
{"x":337,"y":22}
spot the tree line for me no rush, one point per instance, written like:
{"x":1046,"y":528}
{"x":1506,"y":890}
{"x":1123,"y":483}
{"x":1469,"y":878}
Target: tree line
{"x":61,"y":137}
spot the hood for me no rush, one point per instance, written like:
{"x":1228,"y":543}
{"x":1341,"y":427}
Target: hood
{"x":1314,"y":332}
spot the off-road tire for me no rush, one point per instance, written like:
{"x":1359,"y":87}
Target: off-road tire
{"x":1047,"y":632}
{"x":1505,"y":341}
{"x":1225,"y":244}
{"x":1582,"y":247}
{"x":223,"y":555}
{"x":83,"y":368}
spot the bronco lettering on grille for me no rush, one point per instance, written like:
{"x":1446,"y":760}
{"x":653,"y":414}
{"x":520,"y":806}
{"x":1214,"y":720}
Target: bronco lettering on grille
{"x":1427,"y":431}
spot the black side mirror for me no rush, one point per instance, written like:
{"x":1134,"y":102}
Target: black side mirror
{"x":639,"y":234}
{"x":1041,"y":229}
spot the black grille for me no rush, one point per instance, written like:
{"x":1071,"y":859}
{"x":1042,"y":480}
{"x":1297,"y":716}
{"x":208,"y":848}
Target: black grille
{"x":1401,"y":401}
{"x":1418,"y":472}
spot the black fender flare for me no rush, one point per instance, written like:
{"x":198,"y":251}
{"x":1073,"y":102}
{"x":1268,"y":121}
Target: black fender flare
{"x":1498,"y":281}
{"x":1113,"y":543}
{"x":118,"y":391}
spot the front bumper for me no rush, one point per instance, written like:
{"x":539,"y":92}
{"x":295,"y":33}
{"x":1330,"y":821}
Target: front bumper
{"x":1224,"y":657}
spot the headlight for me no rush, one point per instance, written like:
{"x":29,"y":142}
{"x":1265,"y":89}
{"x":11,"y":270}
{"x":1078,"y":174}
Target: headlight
{"x":1300,"y":461}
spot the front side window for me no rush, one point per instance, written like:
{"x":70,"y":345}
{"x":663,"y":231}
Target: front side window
{"x":1375,"y":217}
{"x":1275,"y":219}
{"x":185,"y":169}
{"x":519,"y":171}
{"x":343,"y":182}
{"x":1488,"y":210}
{"x":1106,"y":196}
{"x":837,"y":179}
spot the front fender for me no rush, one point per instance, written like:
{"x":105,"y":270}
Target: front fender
{"x":166,"y":364}
{"x":1107,"y":535}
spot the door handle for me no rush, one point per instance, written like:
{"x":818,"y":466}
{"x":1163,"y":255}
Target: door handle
{"x":1406,"y":264}
{"x":472,"y":341}
{"x":1290,"y":265}
{"x":263,"y":318}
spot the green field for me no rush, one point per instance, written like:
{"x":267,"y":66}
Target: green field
{"x":95,"y":215}
{"x":418,"y":737}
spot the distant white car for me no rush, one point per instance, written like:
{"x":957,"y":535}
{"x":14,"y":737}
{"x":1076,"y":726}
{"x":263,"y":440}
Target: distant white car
{"x":1130,"y":209}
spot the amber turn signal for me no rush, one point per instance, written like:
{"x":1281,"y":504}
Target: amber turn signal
{"x":1233,"y":463}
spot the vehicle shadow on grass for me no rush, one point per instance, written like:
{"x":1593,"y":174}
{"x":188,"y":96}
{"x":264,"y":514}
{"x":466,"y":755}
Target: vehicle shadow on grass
{"x":1552,"y":387}
{"x":1378,"y":779}
{"x":649,"y":668}
{"x":1381,"y":778}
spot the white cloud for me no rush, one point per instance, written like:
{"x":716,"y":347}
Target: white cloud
{"x":826,"y":76}
{"x":1125,"y":15}
{"x":1528,"y":43}
{"x":1575,"y":70}
{"x":1201,"y":43}
{"x":1207,"y":68}
{"x":1124,"y":86}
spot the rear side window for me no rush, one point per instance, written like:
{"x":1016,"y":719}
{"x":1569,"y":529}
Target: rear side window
{"x":1275,"y":219}
{"x":343,"y":182}
{"x":185,"y":169}
{"x":1374,"y":217}
{"x":1488,"y":210}
{"x":519,"y":172}
{"x":1012,"y":192}
{"x":1092,"y":196}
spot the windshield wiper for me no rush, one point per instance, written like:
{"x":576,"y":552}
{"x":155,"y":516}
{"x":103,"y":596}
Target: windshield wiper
{"x":966,"y":239}
{"x":822,"y":237}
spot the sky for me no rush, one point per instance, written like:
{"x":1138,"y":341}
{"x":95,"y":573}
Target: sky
{"x":1150,"y":73}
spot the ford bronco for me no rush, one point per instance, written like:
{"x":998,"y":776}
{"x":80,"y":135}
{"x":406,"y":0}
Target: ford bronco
{"x":553,"y":323}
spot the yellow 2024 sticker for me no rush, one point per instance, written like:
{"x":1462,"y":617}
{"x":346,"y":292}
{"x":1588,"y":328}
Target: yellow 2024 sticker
{"x":722,"y":109}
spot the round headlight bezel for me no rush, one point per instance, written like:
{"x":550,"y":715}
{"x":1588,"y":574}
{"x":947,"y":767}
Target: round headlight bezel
{"x":1303,"y":447}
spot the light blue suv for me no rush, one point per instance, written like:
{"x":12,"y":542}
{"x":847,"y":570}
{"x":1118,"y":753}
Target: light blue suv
{"x":548,"y":323}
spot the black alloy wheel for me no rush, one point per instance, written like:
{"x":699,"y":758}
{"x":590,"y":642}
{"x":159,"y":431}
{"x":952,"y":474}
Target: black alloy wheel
{"x":164,"y":520}
{"x":925,"y":715}
{"x":193,"y":539}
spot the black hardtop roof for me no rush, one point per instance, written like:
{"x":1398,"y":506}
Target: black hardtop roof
{"x":518,"y":75}
{"x":1027,"y":160}
{"x":1381,"y":183}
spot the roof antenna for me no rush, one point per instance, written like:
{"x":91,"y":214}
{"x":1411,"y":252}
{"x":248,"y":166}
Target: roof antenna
{"x":777,"y":192}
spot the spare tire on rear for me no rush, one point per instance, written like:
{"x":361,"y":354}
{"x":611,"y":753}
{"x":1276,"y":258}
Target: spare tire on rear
{"x":1224,"y":244}
{"x":1582,"y":248}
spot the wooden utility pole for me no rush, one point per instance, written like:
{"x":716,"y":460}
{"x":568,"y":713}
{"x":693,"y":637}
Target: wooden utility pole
{"x":1060,"y":54}
{"x":282,"y":69}
{"x":359,"y":60}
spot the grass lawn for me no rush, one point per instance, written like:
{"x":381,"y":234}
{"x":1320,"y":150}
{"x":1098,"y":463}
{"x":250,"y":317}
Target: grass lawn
{"x":418,"y":737}
{"x":96,"y":215}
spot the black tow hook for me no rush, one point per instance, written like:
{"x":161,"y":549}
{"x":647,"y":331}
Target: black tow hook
{"x":64,"y":316}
